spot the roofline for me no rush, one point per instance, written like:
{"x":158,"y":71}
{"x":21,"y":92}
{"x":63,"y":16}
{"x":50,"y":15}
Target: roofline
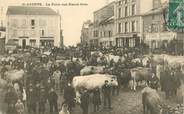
{"x":113,"y":2}
{"x":148,"y":14}
{"x":57,"y":14}
{"x":29,"y":15}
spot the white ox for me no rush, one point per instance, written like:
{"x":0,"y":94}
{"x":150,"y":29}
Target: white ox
{"x":92,"y":70}
{"x":91,"y":82}
{"x":110,"y":57}
{"x":155,"y":59}
{"x":14,"y":75}
{"x":97,"y":53}
{"x":137,"y":60}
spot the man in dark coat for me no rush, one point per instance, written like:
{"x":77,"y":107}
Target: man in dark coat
{"x":31,"y":100}
{"x":176,"y":82}
{"x":69,"y":95}
{"x":154,"y":81}
{"x":106,"y":89}
{"x":85,"y":102}
{"x":3,"y":70}
{"x":10,"y":99}
{"x":96,"y":99}
{"x":166,"y":82}
{"x":42,"y":101}
{"x":53,"y":97}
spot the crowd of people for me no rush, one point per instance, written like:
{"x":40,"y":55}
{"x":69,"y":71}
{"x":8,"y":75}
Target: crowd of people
{"x":45,"y":80}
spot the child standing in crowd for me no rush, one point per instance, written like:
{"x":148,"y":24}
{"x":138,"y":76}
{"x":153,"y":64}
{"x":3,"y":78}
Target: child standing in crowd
{"x":19,"y":106}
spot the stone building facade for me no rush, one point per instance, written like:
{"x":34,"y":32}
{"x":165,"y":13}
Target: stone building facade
{"x":33,"y":26}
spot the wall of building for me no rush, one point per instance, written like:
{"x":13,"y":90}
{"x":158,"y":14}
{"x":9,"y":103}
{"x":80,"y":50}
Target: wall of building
{"x":103,"y":29}
{"x":45,"y":28}
{"x":2,"y":45}
{"x":144,"y":6}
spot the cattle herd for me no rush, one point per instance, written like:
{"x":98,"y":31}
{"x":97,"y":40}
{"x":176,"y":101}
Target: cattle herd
{"x":33,"y":69}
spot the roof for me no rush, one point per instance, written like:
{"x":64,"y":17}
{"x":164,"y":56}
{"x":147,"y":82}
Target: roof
{"x":111,"y":3}
{"x":107,"y":21}
{"x":22,"y":10}
{"x":157,"y":10}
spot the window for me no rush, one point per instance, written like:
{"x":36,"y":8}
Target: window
{"x":119,"y":3}
{"x":119,"y":12}
{"x":126,"y":11}
{"x":133,"y":26}
{"x":109,"y":33}
{"x":101,"y":35}
{"x":95,"y":33}
{"x":126,"y":27}
{"x":119,"y":27}
{"x":32,"y":22}
{"x":42,"y":32}
{"x":133,"y":9}
{"x":33,"y":43}
{"x":126,"y":1}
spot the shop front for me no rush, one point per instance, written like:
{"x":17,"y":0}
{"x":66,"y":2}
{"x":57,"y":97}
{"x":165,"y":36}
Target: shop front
{"x":128,"y":41}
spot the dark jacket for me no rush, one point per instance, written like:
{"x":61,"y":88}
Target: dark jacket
{"x":69,"y":93}
{"x":165,"y":80}
{"x":84,"y":100}
{"x":96,"y":97}
{"x":106,"y":89}
{"x":53,"y":97}
{"x":154,"y":82}
{"x":32,"y":97}
{"x":42,"y":97}
{"x":10,"y":97}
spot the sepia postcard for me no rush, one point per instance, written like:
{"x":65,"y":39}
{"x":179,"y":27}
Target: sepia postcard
{"x":91,"y":57}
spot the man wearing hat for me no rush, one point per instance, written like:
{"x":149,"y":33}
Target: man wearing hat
{"x":154,"y":81}
{"x":19,"y":107}
{"x":53,"y":98}
{"x":31,"y":100}
{"x":106,"y":89}
{"x":69,"y":95}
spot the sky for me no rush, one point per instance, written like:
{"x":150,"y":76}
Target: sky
{"x":72,"y":16}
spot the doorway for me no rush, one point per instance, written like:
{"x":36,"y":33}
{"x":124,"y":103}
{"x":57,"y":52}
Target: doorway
{"x":24,"y":43}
